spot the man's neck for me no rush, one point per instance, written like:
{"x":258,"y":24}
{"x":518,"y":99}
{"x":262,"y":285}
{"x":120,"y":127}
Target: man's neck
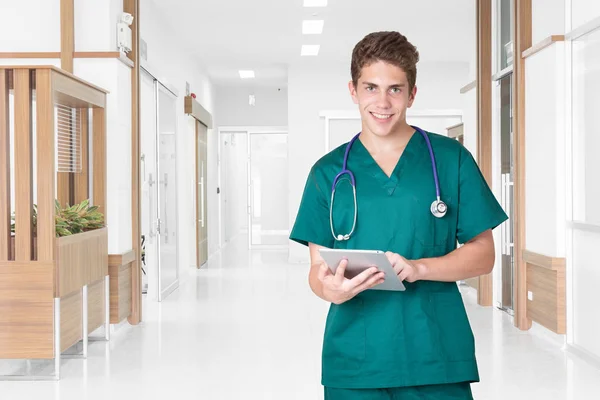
{"x":395,"y":141}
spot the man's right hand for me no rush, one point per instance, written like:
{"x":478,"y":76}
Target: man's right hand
{"x":338,"y":289}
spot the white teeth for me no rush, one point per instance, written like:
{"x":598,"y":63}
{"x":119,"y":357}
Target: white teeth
{"x":381,"y":116}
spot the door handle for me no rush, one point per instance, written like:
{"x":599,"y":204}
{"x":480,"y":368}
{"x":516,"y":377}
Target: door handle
{"x":150,"y":209}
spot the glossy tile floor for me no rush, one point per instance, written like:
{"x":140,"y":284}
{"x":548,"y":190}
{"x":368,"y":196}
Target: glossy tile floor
{"x":248,"y":327}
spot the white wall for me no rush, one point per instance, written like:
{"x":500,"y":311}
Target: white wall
{"x":548,"y":18}
{"x":30,"y":26}
{"x":583,"y":11}
{"x":234,"y":109}
{"x":313,"y":88}
{"x":173,"y":66}
{"x":114,"y":76}
{"x":96,"y":24}
{"x":545,"y":155}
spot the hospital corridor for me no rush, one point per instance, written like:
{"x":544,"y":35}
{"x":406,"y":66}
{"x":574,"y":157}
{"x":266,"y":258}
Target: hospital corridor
{"x":299,"y":200}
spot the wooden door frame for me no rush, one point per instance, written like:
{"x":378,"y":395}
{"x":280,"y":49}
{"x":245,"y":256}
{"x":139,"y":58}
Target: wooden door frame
{"x":522,"y":34}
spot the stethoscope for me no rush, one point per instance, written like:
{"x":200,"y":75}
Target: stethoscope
{"x":438,"y":207}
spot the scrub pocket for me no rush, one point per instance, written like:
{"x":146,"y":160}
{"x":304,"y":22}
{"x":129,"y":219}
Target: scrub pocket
{"x":456,"y":339}
{"x":429,"y":231}
{"x":344,"y":344}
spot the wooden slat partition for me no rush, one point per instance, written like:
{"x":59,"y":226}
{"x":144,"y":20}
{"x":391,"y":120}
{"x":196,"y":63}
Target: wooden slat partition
{"x":5,"y":210}
{"x":46,"y":230}
{"x":30,"y":283}
{"x":82,"y":178}
{"x":26,"y":310}
{"x":23,"y":167}
{"x":99,"y":157}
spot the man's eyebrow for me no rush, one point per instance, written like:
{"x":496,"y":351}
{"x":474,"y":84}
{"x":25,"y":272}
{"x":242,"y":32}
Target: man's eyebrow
{"x":396,"y":85}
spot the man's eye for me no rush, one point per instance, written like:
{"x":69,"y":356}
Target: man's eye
{"x":396,"y":90}
{"x":370,"y":88}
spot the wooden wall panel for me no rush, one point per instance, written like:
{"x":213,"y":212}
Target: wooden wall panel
{"x":96,"y":305}
{"x":548,"y":304}
{"x":26,"y":310}
{"x":120,"y":271}
{"x":71,"y":320}
{"x":133,"y":7}
{"x":46,"y":231}
{"x":67,"y":34}
{"x":484,"y":117}
{"x":5,"y":206}
{"x":23,"y":166}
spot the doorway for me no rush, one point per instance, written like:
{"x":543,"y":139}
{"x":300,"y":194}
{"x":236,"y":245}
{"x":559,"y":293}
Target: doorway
{"x":253,"y":173}
{"x":268,"y":190}
{"x":158,"y":181}
{"x":233,"y":165}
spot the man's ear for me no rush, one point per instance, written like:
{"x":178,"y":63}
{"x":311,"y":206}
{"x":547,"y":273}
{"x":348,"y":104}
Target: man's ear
{"x":352,"y":90}
{"x":411,"y":96}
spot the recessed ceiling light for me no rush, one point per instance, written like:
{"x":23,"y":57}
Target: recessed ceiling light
{"x":310,"y":49}
{"x":246,"y":74}
{"x":315,"y":3}
{"x":312,"y":27}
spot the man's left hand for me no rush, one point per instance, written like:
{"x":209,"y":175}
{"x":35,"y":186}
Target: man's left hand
{"x":405,"y":269}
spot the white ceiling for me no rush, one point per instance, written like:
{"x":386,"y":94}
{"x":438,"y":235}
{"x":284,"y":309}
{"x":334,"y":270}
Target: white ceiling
{"x":266,"y":35}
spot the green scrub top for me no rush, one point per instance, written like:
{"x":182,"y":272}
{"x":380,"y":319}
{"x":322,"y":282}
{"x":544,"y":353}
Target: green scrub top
{"x":422,"y":336}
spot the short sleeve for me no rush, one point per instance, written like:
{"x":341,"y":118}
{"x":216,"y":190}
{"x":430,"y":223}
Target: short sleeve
{"x":312,"y":220}
{"x":478,"y":209}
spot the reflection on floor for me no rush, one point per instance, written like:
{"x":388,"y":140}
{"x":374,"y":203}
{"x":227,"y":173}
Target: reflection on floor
{"x":248,"y":327}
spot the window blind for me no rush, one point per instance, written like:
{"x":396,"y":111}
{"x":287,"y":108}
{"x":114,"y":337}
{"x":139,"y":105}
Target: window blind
{"x":68,"y":139}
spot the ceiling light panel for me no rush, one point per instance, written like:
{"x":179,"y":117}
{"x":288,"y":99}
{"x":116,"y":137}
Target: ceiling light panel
{"x":312,"y":27}
{"x":310,"y":50}
{"x":246,"y":74}
{"x":315,"y":3}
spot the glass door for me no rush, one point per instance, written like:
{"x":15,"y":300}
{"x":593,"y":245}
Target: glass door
{"x":201,"y":222}
{"x":148,"y":187}
{"x":268,"y":194}
{"x":507,"y":193}
{"x":167,"y":191}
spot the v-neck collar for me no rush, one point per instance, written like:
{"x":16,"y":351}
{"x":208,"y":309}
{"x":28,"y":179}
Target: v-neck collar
{"x":390,"y":183}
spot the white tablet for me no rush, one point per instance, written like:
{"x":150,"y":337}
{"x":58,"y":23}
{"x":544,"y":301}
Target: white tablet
{"x":360,"y":260}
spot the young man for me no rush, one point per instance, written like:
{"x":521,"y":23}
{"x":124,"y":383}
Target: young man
{"x":418,"y":343}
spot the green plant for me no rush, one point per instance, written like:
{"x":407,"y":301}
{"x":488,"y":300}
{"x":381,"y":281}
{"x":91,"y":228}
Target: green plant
{"x":70,"y":220}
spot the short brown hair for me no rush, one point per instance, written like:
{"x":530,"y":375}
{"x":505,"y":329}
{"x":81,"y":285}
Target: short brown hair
{"x":391,"y":47}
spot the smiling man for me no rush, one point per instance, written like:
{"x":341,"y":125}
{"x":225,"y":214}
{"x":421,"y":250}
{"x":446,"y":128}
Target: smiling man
{"x":418,"y":194}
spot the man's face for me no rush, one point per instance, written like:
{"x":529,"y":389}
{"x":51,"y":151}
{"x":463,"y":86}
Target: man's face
{"x":382,"y":95}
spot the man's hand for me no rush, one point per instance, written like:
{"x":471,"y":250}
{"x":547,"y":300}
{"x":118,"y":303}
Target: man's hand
{"x":405,"y":269}
{"x":338,"y":289}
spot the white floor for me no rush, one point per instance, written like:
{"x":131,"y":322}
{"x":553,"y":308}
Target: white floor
{"x":248,"y":327}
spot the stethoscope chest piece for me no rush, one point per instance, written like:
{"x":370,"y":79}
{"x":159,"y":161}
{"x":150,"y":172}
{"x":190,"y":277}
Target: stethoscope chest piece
{"x":439,"y":208}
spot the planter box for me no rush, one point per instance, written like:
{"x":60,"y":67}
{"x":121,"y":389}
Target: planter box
{"x":81,"y":259}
